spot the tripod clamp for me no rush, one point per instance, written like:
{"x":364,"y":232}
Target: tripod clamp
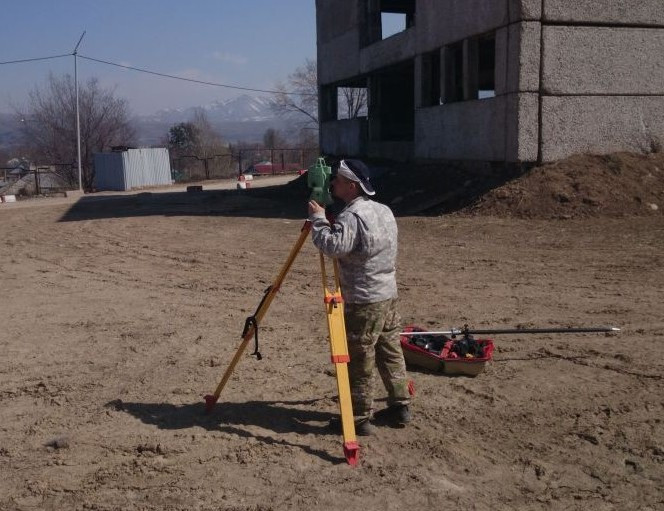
{"x":252,"y":322}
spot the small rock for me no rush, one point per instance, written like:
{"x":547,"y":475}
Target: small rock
{"x":59,"y":442}
{"x":633,"y":465}
{"x":653,"y":206}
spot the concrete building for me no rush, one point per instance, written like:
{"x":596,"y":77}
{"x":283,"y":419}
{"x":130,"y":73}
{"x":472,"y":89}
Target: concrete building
{"x":492,"y":80}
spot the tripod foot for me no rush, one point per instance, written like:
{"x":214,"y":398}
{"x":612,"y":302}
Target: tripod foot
{"x":352,"y":453}
{"x":210,"y":401}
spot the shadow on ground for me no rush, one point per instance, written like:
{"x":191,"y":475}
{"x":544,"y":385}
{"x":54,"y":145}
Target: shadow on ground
{"x":414,"y":190}
{"x":281,"y":417}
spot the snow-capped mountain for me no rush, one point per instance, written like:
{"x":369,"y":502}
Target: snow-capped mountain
{"x":242,"y":118}
{"x":243,"y":108}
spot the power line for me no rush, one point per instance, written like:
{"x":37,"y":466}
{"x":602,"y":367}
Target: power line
{"x":38,"y":58}
{"x":164,"y":75}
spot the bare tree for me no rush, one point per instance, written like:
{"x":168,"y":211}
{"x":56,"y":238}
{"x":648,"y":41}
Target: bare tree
{"x":49,"y":125}
{"x":354,"y":101}
{"x":272,"y":138}
{"x":298,"y":97}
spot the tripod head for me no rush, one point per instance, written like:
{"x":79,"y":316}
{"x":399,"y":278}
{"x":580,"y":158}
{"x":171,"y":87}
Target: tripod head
{"x":318,"y":180}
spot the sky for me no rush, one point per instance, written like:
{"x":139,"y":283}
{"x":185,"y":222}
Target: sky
{"x":248,"y":43}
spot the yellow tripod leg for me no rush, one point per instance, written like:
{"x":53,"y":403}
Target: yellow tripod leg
{"x":334,"y":308}
{"x":211,"y":399}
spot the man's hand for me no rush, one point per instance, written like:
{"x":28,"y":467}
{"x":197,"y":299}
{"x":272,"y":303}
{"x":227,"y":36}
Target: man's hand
{"x":314,"y":207}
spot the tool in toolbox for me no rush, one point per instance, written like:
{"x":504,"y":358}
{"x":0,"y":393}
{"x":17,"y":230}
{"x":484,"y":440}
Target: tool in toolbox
{"x":318,"y":178}
{"x":443,"y":351}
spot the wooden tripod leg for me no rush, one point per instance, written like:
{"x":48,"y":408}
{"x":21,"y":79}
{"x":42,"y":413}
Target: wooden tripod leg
{"x":334,"y":308}
{"x":211,"y":399}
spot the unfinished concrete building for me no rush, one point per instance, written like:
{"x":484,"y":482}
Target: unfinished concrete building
{"x":491,"y":80}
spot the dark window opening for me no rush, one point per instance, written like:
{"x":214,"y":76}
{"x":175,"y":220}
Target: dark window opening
{"x":385,"y":18}
{"x":454,"y":73}
{"x":431,"y":79}
{"x":392,"y":103}
{"x":486,"y":62}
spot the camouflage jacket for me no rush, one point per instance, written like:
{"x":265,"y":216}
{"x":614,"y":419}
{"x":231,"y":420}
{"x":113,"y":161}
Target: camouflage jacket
{"x":364,"y":240}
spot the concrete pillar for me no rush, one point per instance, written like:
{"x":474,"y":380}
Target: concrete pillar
{"x":470,"y":65}
{"x":329,"y":103}
{"x":421,"y":86}
{"x":373,"y":90}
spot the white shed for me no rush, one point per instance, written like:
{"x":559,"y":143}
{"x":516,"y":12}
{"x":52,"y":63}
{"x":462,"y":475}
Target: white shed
{"x":132,"y":168}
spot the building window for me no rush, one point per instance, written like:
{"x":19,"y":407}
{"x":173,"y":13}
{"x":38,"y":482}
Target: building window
{"x":385,"y":18}
{"x":470,"y":69}
{"x":454,"y":72}
{"x":431,"y":79}
{"x":352,"y":102}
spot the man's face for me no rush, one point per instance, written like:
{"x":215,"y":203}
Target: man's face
{"x":343,"y":188}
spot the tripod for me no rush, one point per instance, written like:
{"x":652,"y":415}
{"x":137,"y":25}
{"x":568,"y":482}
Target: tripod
{"x":338,"y":342}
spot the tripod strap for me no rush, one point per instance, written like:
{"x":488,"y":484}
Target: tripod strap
{"x":250,"y":322}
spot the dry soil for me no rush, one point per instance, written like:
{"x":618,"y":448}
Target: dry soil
{"x":119,"y":315}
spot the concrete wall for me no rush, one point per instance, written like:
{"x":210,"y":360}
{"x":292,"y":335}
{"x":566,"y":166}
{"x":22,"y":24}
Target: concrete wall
{"x":438,"y":23}
{"x":390,"y":51}
{"x":518,"y":58}
{"x":603,"y":60}
{"x":503,"y":128}
{"x":397,"y":151}
{"x":600,"y":124}
{"x":468,"y":130}
{"x":338,"y":36}
{"x":603,"y":89}
{"x":618,"y":12}
{"x":346,"y":137}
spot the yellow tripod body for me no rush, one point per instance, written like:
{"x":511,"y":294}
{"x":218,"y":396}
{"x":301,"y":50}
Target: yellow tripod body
{"x":338,"y":343}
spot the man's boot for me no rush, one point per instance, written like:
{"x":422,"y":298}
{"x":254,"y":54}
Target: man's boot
{"x":394,"y":415}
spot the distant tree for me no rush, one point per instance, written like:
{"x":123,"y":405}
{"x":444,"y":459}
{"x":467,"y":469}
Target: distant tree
{"x":298,"y":97}
{"x":5,"y":156}
{"x":182,"y":139}
{"x":198,"y":140}
{"x":273,"y":138}
{"x":49,"y":125}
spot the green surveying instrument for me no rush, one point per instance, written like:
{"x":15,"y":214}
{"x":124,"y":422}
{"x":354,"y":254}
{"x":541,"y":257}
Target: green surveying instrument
{"x":318,"y":179}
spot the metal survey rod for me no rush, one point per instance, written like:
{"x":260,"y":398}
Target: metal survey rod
{"x":494,"y":331}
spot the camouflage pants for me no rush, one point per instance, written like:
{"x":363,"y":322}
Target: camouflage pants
{"x":373,"y":330}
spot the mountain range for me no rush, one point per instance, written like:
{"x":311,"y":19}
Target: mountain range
{"x":244,"y":118}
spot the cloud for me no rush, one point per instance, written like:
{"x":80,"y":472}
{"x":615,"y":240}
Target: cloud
{"x":224,"y":56}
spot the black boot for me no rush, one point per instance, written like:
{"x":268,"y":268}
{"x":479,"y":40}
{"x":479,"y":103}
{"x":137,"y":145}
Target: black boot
{"x":362,"y":427}
{"x":395,"y":416}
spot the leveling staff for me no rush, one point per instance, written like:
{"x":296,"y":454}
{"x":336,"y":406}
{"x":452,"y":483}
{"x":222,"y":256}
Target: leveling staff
{"x":363,"y":238}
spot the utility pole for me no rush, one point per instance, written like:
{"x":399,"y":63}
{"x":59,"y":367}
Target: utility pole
{"x":78,"y":116}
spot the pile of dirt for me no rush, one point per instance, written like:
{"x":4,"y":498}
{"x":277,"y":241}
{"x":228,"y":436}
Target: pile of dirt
{"x":614,"y":185}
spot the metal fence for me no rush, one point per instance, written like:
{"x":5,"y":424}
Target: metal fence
{"x":240,"y":161}
{"x":38,"y":180}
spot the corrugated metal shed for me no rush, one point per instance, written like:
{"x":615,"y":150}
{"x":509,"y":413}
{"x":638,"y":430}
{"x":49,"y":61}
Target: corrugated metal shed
{"x":133,"y":168}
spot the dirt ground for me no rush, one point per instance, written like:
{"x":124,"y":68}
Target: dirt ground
{"x":119,"y":315}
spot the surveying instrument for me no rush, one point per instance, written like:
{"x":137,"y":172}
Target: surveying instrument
{"x":318,"y":180}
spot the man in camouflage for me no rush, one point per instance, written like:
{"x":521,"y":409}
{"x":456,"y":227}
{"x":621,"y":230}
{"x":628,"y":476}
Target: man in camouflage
{"x":363,"y":238}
